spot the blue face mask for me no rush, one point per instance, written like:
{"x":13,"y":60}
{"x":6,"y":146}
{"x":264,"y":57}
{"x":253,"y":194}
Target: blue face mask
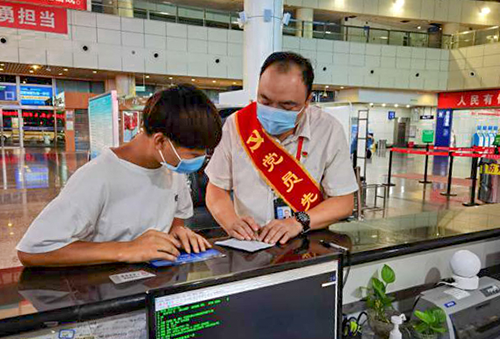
{"x":184,"y":166}
{"x":276,"y":121}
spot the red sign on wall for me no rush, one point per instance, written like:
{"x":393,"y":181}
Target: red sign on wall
{"x":34,"y":18}
{"x":474,"y":99}
{"x":69,"y":4}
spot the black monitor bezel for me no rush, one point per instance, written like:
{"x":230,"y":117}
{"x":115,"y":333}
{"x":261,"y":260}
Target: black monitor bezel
{"x":208,"y":282}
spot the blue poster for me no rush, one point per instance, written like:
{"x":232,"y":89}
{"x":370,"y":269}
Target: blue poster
{"x":391,"y":115}
{"x":443,"y":127}
{"x":8,"y":93}
{"x":35,"y":96}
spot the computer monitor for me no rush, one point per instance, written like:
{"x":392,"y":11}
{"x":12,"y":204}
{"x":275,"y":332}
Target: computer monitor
{"x":286,"y":301}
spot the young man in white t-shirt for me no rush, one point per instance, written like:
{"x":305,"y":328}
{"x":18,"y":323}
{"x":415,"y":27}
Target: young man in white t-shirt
{"x":129,"y":204}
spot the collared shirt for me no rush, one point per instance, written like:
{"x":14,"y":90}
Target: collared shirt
{"x":325,"y":154}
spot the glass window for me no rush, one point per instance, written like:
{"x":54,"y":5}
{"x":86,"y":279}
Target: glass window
{"x":190,"y":16}
{"x":217,"y":19}
{"x":378,"y":36}
{"x":397,"y":38}
{"x":419,"y":39}
{"x":356,"y":34}
{"x":8,"y":78}
{"x":36,"y":80}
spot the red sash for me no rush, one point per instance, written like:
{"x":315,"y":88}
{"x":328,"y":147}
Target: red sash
{"x":279,"y":169}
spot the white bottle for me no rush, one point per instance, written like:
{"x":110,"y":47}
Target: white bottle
{"x":396,"y":320}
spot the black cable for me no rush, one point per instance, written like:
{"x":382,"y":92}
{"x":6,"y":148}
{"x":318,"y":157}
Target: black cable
{"x":346,"y":276}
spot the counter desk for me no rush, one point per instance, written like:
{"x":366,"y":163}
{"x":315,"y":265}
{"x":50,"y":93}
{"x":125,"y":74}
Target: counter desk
{"x":39,"y":303}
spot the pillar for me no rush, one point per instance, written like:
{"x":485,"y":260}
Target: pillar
{"x":125,"y":85}
{"x":260,"y":39}
{"x":305,"y":18}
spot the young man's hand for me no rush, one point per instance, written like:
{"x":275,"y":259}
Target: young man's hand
{"x":190,"y":241}
{"x":150,"y":246}
{"x":280,"y":230}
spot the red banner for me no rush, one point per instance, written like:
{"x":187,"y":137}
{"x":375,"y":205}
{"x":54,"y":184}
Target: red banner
{"x":69,"y":4}
{"x":278,"y":168}
{"x":473,"y":99}
{"x":34,"y":18}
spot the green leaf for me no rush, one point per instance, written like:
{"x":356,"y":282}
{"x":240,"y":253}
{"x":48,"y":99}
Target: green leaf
{"x":438,"y":329}
{"x":439,"y":315}
{"x":421,"y":328}
{"x":378,"y":287}
{"x":388,"y":275}
{"x":424,"y":316}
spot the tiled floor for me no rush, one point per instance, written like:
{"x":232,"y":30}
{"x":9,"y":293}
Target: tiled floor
{"x":31,"y":180}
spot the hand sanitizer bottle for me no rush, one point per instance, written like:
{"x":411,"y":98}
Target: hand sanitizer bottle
{"x":396,"y":320}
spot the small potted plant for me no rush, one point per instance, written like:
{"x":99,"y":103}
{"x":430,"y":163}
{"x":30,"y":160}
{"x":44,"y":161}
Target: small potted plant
{"x":379,"y":304}
{"x":430,"y":323}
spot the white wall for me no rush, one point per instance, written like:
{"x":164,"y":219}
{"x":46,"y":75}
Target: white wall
{"x":483,"y":60}
{"x":378,"y":121}
{"x":129,"y":45}
{"x":462,"y":11}
{"x":351,"y":63}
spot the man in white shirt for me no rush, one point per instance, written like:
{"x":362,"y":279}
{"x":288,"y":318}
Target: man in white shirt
{"x":129,"y":203}
{"x":288,"y":129}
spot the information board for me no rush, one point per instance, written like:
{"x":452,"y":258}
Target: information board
{"x":35,"y":95}
{"x":103,"y":123}
{"x":8,"y":92}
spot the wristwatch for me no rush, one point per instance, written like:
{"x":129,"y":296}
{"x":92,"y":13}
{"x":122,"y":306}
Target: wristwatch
{"x":304,"y":220}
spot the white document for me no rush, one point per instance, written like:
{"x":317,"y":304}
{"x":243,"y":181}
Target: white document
{"x":245,"y":245}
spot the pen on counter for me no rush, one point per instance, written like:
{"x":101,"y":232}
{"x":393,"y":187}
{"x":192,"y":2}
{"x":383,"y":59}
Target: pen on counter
{"x":332,"y":245}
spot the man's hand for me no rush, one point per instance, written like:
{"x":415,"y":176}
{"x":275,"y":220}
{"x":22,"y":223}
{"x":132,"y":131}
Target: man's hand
{"x":244,"y":228}
{"x":149,"y":246}
{"x":189,"y":239}
{"x":280,"y":230}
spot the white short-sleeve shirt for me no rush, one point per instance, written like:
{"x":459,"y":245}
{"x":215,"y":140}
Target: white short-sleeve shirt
{"x":109,"y":199}
{"x":325,"y":154}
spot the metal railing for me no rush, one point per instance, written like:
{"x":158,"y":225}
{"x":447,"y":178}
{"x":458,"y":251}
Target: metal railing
{"x":229,"y":20}
{"x":478,"y":37}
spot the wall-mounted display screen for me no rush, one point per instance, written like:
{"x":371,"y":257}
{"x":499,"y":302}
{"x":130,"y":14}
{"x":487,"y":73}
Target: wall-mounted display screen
{"x":35,"y":95}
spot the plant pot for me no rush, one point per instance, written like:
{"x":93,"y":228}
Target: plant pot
{"x":383,"y":329}
{"x":380,"y":328}
{"x":418,"y":335}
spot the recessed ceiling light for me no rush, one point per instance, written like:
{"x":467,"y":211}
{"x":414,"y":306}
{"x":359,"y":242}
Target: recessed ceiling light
{"x":170,"y":78}
{"x":60,"y":74}
{"x":147,"y":76}
{"x":94,"y":72}
{"x":383,"y":105}
{"x":1,"y":69}
{"x":65,"y":69}
{"x":371,"y":103}
{"x":419,"y":27}
{"x":396,"y":105}
{"x":193,"y":80}
{"x":31,"y":71}
{"x":327,"y":86}
{"x":407,"y":106}
{"x":2,"y":65}
{"x":234,"y":83}
{"x":341,"y":87}
{"x":35,"y":67}
{"x":214,"y":81}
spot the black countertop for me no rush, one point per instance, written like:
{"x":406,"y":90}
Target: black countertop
{"x":31,"y":297}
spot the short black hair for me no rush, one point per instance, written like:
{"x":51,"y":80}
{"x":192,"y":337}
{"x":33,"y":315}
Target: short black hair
{"x":185,"y":115}
{"x":285,"y":59}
